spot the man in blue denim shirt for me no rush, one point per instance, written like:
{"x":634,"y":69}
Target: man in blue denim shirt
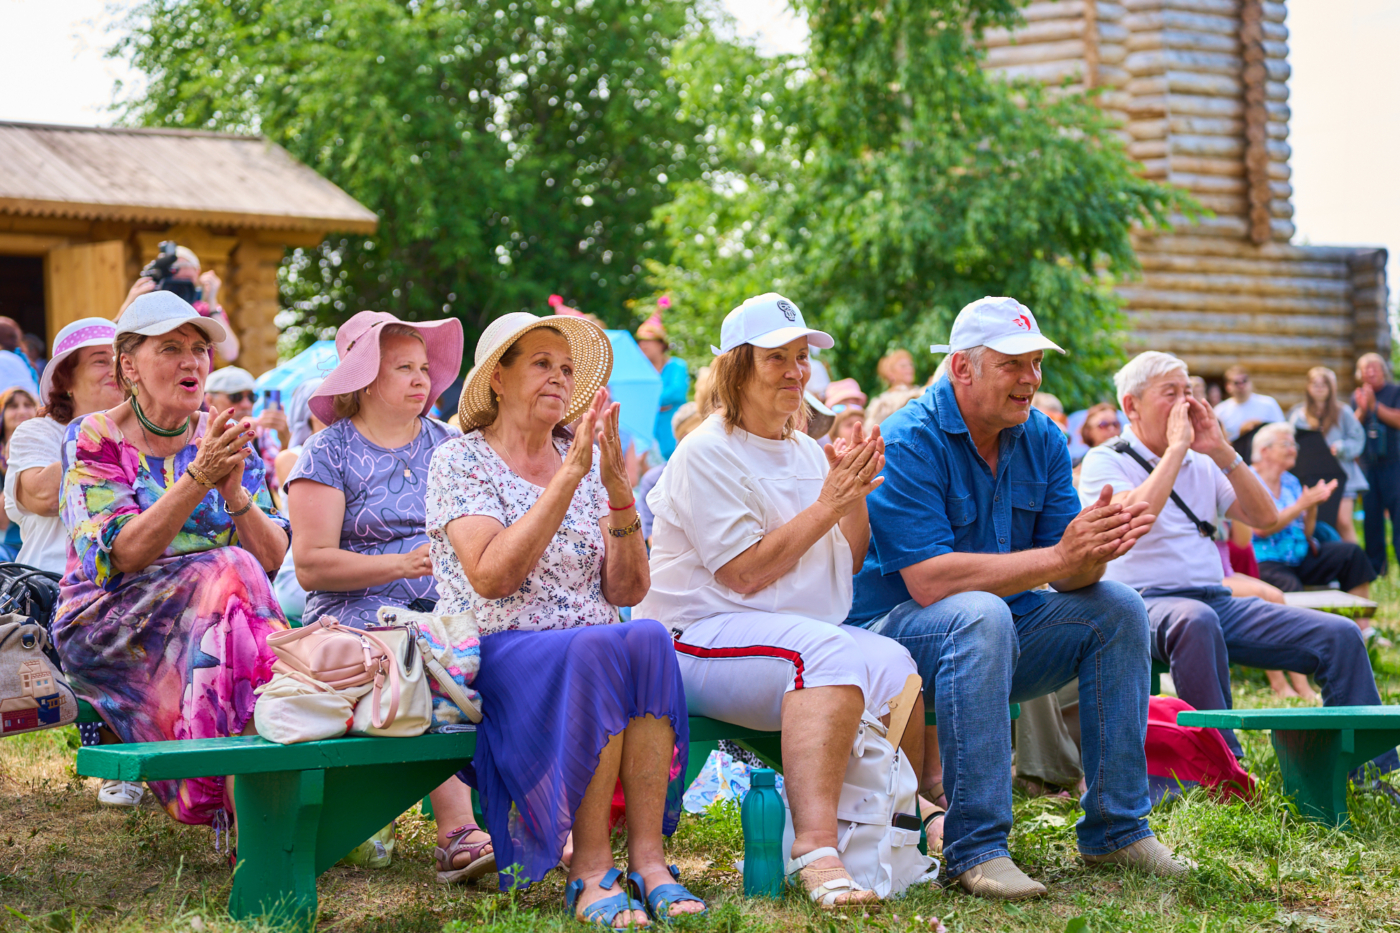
{"x":976,"y":515}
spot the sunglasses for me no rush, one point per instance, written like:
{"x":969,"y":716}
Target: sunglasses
{"x":238,"y":398}
{"x":1105,"y":425}
{"x":844,"y":406}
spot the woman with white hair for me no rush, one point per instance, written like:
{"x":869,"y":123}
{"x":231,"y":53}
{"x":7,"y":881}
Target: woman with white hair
{"x":1289,"y":556}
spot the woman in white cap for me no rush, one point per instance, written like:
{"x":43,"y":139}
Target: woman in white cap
{"x":536,"y":532}
{"x":165,"y":610}
{"x":757,"y":536}
{"x":356,"y":499}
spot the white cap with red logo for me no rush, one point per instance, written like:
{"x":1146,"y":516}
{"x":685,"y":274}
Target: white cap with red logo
{"x":1004,"y":324}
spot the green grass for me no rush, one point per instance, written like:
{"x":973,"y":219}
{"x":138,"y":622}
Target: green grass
{"x":66,"y":864}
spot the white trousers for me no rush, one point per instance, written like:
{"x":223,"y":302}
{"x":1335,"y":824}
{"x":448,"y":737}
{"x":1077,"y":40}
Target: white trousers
{"x":738,"y":666}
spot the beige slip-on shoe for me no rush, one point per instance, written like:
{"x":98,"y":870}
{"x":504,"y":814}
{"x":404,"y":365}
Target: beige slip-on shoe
{"x":1000,"y":878}
{"x":1147,"y":855}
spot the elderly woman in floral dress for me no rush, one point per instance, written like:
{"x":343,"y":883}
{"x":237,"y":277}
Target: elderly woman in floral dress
{"x":166,"y":605}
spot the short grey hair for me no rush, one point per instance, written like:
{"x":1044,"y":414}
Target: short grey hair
{"x":1268,"y":436}
{"x":1134,"y":378}
{"x":974,"y":357}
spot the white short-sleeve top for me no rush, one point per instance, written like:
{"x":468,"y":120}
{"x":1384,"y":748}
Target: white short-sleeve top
{"x":720,"y":493}
{"x":564,"y":590}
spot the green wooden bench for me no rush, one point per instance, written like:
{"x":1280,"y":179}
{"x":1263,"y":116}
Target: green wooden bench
{"x":301,"y":808}
{"x":1317,"y":748}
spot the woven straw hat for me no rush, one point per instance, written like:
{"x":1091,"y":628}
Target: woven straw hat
{"x":589,"y":346}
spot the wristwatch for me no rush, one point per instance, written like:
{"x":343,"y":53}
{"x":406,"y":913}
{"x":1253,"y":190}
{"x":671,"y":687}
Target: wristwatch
{"x":1234,"y":464}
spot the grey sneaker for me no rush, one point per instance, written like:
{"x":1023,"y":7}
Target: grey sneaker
{"x":1147,"y":855}
{"x":1000,"y":878}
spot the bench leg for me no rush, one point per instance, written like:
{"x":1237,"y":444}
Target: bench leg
{"x":279,"y":816}
{"x":1315,"y":765}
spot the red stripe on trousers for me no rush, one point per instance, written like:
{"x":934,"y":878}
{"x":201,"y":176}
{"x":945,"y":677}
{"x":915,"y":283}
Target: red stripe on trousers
{"x":753,"y":651}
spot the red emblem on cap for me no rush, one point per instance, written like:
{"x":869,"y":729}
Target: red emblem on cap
{"x":1022,"y":320}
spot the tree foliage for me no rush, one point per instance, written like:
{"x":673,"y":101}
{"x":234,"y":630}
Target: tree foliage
{"x":882,"y":181}
{"x":512,"y":148}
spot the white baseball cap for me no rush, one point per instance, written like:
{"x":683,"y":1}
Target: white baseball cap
{"x":767,"y":321}
{"x":1004,"y":324}
{"x":156,"y":313}
{"x":230,"y":379}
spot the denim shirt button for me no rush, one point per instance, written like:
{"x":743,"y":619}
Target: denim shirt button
{"x":1002,"y":540}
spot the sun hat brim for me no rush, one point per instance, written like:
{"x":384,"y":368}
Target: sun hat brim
{"x":359,"y":363}
{"x":1016,"y":344}
{"x":103,"y":334}
{"x":786,"y":335}
{"x":593,"y":362}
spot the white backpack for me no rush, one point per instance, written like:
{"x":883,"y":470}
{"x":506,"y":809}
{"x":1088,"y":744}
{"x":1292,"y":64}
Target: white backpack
{"x":879,"y":783}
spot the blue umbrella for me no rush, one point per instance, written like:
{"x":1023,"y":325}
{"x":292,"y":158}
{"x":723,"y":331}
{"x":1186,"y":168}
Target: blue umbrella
{"x":637,"y":385}
{"x":315,"y":362}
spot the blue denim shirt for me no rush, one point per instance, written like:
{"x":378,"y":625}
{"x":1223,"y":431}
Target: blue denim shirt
{"x":939,"y":496}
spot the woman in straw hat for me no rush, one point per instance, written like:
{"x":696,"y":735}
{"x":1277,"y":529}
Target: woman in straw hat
{"x":164,"y":613}
{"x":536,"y":531}
{"x":757,"y":537}
{"x":357,"y":502}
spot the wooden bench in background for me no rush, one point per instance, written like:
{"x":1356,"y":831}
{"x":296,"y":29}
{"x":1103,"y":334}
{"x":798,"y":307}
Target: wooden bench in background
{"x":1317,"y":747}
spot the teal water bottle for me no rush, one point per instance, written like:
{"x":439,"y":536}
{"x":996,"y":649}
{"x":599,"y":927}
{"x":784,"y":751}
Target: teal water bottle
{"x":763,"y":817}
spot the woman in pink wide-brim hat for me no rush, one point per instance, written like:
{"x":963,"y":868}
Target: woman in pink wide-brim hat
{"x":358,"y":506}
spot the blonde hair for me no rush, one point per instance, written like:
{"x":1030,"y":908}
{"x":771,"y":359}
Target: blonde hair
{"x":126,"y":345}
{"x":1322,"y":416}
{"x":729,"y":373}
{"x":347,"y":405}
{"x":885,"y":368}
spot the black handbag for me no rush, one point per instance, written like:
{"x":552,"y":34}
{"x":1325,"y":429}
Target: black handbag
{"x":32,"y":593}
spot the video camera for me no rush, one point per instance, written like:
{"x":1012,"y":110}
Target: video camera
{"x":160,"y":271}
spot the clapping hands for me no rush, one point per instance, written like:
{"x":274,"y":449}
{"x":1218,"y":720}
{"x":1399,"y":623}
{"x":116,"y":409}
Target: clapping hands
{"x":854,"y":470}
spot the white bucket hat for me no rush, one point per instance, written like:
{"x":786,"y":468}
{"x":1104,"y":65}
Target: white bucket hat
{"x":230,"y":379}
{"x":1004,"y":324}
{"x":767,"y":321}
{"x":85,"y":332}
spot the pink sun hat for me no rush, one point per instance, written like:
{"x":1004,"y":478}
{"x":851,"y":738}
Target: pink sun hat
{"x":357,"y":344}
{"x":84,"y":332}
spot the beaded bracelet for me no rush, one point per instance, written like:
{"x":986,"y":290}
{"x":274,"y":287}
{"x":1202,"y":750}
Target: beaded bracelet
{"x":632,"y":528}
{"x":198,"y":476}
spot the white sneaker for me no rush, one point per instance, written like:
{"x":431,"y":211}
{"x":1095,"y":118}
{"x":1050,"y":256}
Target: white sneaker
{"x":120,"y":794}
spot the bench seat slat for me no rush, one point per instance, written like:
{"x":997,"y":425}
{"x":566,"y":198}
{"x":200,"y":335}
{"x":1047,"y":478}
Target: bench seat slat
{"x":159,"y":761}
{"x":1313,"y":718}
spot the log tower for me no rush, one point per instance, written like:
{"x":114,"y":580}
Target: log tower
{"x":1200,"y":88}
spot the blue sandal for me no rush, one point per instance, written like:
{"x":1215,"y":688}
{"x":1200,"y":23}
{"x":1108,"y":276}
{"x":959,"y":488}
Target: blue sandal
{"x":605,"y":911}
{"x":661,"y":897}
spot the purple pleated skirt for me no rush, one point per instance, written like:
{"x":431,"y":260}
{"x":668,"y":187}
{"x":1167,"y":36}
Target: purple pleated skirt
{"x":550,"y":702}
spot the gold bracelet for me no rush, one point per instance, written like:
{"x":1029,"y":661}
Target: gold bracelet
{"x":632,"y":528}
{"x":198,"y":476}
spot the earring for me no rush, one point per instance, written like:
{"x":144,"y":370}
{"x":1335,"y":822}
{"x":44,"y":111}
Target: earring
{"x":498,"y":399}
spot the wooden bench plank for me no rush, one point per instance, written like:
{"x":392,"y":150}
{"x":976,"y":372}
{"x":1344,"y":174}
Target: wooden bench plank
{"x":163,"y":761}
{"x":1317,"y":748}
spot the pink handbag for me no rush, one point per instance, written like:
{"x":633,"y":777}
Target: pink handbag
{"x":340,"y":657}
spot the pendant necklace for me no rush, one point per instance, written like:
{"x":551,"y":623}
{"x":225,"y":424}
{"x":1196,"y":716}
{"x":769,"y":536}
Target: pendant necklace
{"x":407,"y":471}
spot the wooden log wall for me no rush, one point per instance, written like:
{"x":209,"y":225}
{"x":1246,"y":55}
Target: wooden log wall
{"x":1201,"y":90}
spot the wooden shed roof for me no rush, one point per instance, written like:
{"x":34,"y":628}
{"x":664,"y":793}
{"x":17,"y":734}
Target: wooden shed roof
{"x":167,"y":176}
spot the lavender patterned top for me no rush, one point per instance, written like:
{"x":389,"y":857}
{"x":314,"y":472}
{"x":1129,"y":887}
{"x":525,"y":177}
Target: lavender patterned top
{"x":565,"y":589}
{"x":385,"y":510}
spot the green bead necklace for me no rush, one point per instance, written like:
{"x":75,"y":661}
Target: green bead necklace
{"x":149,"y":425}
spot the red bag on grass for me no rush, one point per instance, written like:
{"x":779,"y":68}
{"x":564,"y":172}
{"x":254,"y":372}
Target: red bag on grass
{"x":1189,"y":755}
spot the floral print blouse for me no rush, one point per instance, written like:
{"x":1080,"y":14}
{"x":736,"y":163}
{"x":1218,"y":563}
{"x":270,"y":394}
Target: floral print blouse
{"x":107,"y":482}
{"x":564,"y":590}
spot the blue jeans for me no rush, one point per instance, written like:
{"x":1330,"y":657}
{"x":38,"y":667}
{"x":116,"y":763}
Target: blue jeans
{"x":970,"y":653}
{"x":1202,"y":630}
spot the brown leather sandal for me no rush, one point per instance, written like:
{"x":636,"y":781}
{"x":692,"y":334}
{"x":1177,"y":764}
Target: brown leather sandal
{"x":481,"y":856}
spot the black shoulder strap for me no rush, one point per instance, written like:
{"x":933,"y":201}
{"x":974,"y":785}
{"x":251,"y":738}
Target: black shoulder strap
{"x":1123,"y":446}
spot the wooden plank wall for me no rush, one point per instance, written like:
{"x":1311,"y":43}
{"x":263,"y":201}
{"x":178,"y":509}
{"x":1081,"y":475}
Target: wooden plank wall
{"x":1201,"y":88}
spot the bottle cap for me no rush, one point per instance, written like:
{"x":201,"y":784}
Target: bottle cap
{"x":762,"y":777}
